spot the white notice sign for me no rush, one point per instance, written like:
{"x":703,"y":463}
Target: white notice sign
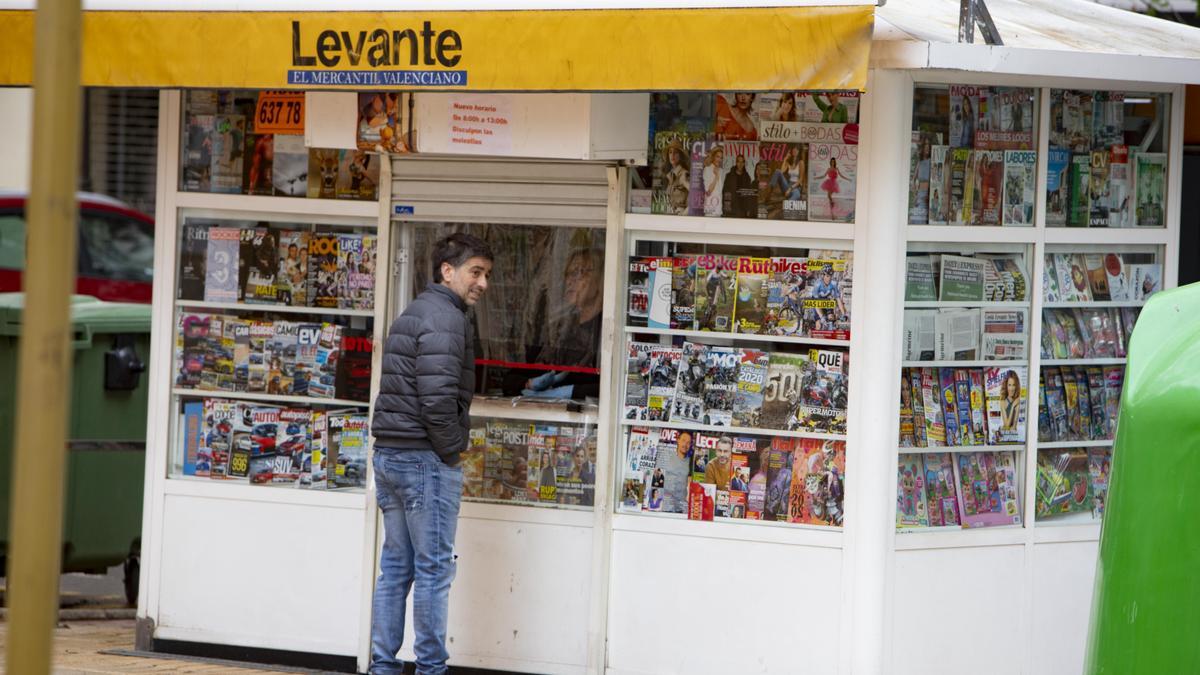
{"x":480,"y":124}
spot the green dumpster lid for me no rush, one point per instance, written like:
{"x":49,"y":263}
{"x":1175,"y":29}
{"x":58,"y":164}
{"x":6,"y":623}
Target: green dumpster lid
{"x":98,"y":316}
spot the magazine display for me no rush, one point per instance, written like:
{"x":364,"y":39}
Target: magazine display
{"x":277,"y":265}
{"x":1119,"y":277}
{"x":987,"y":489}
{"x":1082,"y":402}
{"x":523,"y":462}
{"x":222,"y":152}
{"x":948,"y":407}
{"x":273,"y":445}
{"x":706,"y":476}
{"x":801,"y":296}
{"x":216,"y":352}
{"x":911,"y":509}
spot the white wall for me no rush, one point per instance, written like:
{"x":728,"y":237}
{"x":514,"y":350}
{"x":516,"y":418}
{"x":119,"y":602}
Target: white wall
{"x":16,"y":118}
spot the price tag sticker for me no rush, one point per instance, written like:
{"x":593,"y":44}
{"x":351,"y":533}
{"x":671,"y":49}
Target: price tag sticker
{"x":279,"y":112}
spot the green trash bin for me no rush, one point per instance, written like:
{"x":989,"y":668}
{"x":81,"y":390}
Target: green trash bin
{"x":106,"y":445}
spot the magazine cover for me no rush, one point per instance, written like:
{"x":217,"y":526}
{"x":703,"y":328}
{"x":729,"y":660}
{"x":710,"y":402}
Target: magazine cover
{"x":193,"y":423}
{"x":263,"y":265}
{"x":716,"y":291}
{"x":736,"y":119}
{"x":1096,"y":396}
{"x":931,"y":403}
{"x":1099,"y":467}
{"x":221,"y":265}
{"x":964,"y":115}
{"x":472,"y":462}
{"x":1098,"y":189}
{"x":1058,"y":186}
{"x":832,"y":176}
{"x":782,"y":181}
{"x":350,"y":469}
{"x":913,"y":380}
{"x":1097,"y":278}
{"x":1064,"y":484}
{"x":827,"y":106}
{"x":228,"y":150}
{"x":1149,"y":177}
{"x":907,"y":435}
{"x":260,"y":335}
{"x":1119,"y":287}
{"x":960,"y":169}
{"x":739,"y":187}
{"x":1145,"y":279}
{"x":1009,"y":120}
{"x":672,"y":469}
{"x":910,"y":493}
{"x":1006,"y":395}
{"x":323,"y":166}
{"x":1114,"y":379}
{"x":671,"y":174}
{"x":705,"y":193}
{"x":663,"y":374}
{"x":751,"y":304}
{"x":778,"y":462}
{"x":987,"y":489}
{"x":193,"y":254}
{"x":1120,"y":187}
{"x":781,"y":396}
{"x":1108,"y":118}
{"x":1077,"y":120}
{"x":292,"y":274}
{"x":539,"y":458}
{"x":197,"y":153}
{"x":358,"y":175}
{"x":823,"y":397}
{"x":704,"y":451}
{"x":939,"y":184}
{"x":826,"y":300}
{"x":280,"y":355}
{"x":940,"y":490}
{"x":681,"y":111}
{"x":323,"y":270}
{"x":289,"y":171}
{"x":658,"y":315}
{"x":259,"y":154}
{"x":683,"y":289}
{"x":818,"y":481}
{"x":292,"y":451}
{"x":385,"y":122}
{"x":688,"y":405}
{"x":968,"y":434}
{"x":720,"y":385}
{"x":1019,"y":186}
{"x":786,"y":287}
{"x":701,"y":501}
{"x":1079,"y":177}
{"x":989,"y":187}
{"x":753,"y":366}
{"x":640,"y":274}
{"x":637,"y":381}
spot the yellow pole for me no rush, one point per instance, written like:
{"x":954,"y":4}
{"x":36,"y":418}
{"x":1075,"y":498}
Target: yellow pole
{"x":44,"y":367}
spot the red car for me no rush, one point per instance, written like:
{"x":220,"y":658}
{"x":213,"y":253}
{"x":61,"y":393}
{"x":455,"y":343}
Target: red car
{"x":115,"y":248}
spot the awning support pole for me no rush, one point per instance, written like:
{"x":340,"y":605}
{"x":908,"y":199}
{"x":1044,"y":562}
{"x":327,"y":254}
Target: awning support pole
{"x":45,"y":354}
{"x":972,"y":13}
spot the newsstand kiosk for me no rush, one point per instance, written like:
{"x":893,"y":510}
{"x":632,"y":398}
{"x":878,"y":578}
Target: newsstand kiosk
{"x":691,"y":448}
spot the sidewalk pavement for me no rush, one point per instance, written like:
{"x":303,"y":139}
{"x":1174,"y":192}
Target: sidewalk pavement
{"x":103,"y":647}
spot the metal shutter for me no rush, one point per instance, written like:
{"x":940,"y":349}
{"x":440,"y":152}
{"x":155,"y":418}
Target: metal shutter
{"x":535,"y":192}
{"x":120,"y":145}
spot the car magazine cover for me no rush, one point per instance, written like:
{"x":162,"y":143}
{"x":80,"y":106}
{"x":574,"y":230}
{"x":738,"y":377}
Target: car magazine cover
{"x":910,"y":493}
{"x":295,"y":442}
{"x":320,"y":450}
{"x":753,"y":366}
{"x":987,"y":489}
{"x":941,"y":494}
{"x":280,"y":356}
{"x":215,"y":437}
{"x":781,"y":396}
{"x":716,"y":290}
{"x":323,"y":255}
{"x":663,"y":374}
{"x":683,"y":290}
{"x":824,"y":395}
{"x":751,"y":304}
{"x":221,"y":265}
{"x":688,"y":405}
{"x":191,"y":342}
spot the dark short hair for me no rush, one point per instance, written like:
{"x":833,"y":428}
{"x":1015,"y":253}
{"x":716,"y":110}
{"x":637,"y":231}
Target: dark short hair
{"x":457,"y":249}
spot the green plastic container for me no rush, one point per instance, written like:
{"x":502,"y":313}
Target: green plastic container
{"x":107,"y":435}
{"x":1146,"y":603}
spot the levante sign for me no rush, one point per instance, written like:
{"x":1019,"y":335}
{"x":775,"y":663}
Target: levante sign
{"x":383,"y":51}
{"x":810,"y":47}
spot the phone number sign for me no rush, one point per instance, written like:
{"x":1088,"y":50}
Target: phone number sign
{"x":279,"y":112}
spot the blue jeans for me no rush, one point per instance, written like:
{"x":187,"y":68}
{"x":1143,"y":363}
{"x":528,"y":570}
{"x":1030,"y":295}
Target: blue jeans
{"x":419,"y":496}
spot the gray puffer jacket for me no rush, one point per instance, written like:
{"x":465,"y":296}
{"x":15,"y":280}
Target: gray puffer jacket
{"x":428,"y":377}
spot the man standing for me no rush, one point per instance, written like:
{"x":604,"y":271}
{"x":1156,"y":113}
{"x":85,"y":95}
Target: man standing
{"x":421,"y":425}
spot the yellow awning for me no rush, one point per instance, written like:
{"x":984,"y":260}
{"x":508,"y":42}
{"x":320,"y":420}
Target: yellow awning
{"x":754,"y":49}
